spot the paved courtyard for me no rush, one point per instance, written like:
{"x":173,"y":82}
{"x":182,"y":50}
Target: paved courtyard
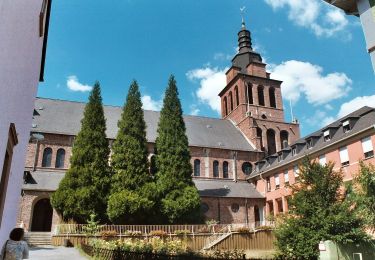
{"x":55,"y":253}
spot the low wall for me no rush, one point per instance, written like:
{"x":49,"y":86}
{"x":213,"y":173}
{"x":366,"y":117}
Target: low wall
{"x":260,"y":240}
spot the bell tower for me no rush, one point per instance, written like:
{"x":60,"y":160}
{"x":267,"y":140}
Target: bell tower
{"x":252,"y":101}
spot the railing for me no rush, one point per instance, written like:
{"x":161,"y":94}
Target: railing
{"x":62,"y":229}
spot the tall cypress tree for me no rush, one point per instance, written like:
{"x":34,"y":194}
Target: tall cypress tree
{"x":179,"y":198}
{"x":129,"y":201}
{"x":83,"y":190}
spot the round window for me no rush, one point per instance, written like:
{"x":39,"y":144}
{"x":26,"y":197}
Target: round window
{"x":204,"y":207}
{"x":247,"y":168}
{"x":235,"y":207}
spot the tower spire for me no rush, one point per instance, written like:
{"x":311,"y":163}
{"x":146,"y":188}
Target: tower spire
{"x":244,"y":36}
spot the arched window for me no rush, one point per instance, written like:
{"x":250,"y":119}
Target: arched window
{"x":256,"y":214}
{"x":197,"y":167}
{"x":249,"y":93}
{"x":271,"y":143}
{"x":237,"y":96}
{"x":260,"y":96}
{"x":231,"y":101}
{"x":284,"y":138}
{"x":60,"y":158}
{"x":225,"y":106}
{"x":272,"y":97}
{"x":152,"y":165}
{"x":47,"y":157}
{"x":225,"y":169}
{"x":216,"y":169}
{"x":260,"y":137}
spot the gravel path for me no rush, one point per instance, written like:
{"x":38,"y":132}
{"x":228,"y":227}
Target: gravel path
{"x":55,"y":253}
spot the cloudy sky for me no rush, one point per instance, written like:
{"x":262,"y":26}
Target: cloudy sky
{"x":316,"y":50}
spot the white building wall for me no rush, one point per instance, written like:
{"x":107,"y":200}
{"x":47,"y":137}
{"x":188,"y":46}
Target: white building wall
{"x":20,"y":63}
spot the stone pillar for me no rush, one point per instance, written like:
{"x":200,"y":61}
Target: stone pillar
{"x":207,"y":162}
{"x":277,"y":139}
{"x":266,"y":95}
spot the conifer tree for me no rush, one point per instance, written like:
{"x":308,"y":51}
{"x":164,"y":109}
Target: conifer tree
{"x":129,"y":202}
{"x":317,"y":212}
{"x":83,"y":191}
{"x":179,"y":198}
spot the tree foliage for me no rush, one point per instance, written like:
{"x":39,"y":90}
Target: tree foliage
{"x":84,"y":189}
{"x":363,"y":194}
{"x":130,"y":201}
{"x":178,"y":197}
{"x":317,"y":212}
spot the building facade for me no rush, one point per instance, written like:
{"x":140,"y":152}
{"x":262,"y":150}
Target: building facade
{"x":344,"y":142}
{"x":23,"y":34}
{"x":223,"y":151}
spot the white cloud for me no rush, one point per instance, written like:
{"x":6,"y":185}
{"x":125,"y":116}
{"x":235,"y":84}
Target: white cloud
{"x":194,"y":110}
{"x":212,"y":81}
{"x":355,"y":104}
{"x":149,"y":104}
{"x":74,"y":85}
{"x":321,"y":18}
{"x":303,"y":78}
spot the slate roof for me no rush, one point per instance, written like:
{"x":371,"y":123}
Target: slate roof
{"x":226,"y":188}
{"x":64,"y":117}
{"x":49,"y":181}
{"x":362,"y":118}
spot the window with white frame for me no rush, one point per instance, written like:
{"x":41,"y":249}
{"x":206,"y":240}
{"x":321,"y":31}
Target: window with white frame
{"x":309,"y":143}
{"x":327,"y":135}
{"x":286,"y":176}
{"x":322,"y":159}
{"x":346,"y":126}
{"x":344,"y":156}
{"x":268,"y":184}
{"x":277,"y":181}
{"x":367,"y":147}
{"x":296,"y":171}
{"x":294,"y":151}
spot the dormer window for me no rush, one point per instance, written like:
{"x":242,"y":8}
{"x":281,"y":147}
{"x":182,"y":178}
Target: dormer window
{"x":280,"y":157}
{"x":309,"y":143}
{"x":294,"y":151}
{"x":346,"y":126}
{"x":327,"y":135}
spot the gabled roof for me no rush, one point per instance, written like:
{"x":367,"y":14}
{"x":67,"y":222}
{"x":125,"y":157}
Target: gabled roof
{"x":364,"y":118}
{"x":64,"y":117}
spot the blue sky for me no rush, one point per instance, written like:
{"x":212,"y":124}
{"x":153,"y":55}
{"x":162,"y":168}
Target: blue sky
{"x":317,"y":51}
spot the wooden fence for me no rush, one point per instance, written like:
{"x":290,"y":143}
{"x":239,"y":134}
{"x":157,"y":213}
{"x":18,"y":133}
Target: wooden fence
{"x":259,"y":240}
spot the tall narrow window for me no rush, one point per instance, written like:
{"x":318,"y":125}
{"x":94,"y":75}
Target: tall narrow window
{"x":271,"y":142}
{"x":277,"y":181}
{"x":346,"y":126}
{"x":230,"y":101}
{"x":60,"y":158}
{"x":237,"y":96}
{"x":268,"y":184}
{"x":216,"y":169}
{"x":12,"y":141}
{"x":47,"y":157}
{"x":260,"y":96}
{"x":225,"y":106}
{"x":225,"y":169}
{"x":296,"y":171}
{"x":344,"y":156}
{"x":272,"y":97}
{"x":284,"y":138}
{"x":249,"y":94}
{"x":322,"y":160}
{"x":259,"y":136}
{"x":286,"y":176}
{"x":368,"y":150}
{"x":197,"y":167}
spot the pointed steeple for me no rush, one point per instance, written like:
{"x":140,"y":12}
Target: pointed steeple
{"x":244,"y":39}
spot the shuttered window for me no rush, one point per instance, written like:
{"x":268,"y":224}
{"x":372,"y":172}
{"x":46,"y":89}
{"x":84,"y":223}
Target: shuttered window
{"x":322,"y":160}
{"x":277,"y":181}
{"x":367,"y":147}
{"x":344,"y":156}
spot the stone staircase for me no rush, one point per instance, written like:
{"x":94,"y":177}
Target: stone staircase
{"x":217,"y":237}
{"x":38,"y":238}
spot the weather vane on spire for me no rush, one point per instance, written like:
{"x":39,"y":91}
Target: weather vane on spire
{"x":242,"y":9}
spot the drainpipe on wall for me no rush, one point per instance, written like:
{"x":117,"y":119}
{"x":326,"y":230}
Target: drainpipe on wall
{"x":37,"y":137}
{"x":247,"y":213}
{"x":218,"y":210}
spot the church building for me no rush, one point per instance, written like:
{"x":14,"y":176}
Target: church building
{"x":224,"y":151}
